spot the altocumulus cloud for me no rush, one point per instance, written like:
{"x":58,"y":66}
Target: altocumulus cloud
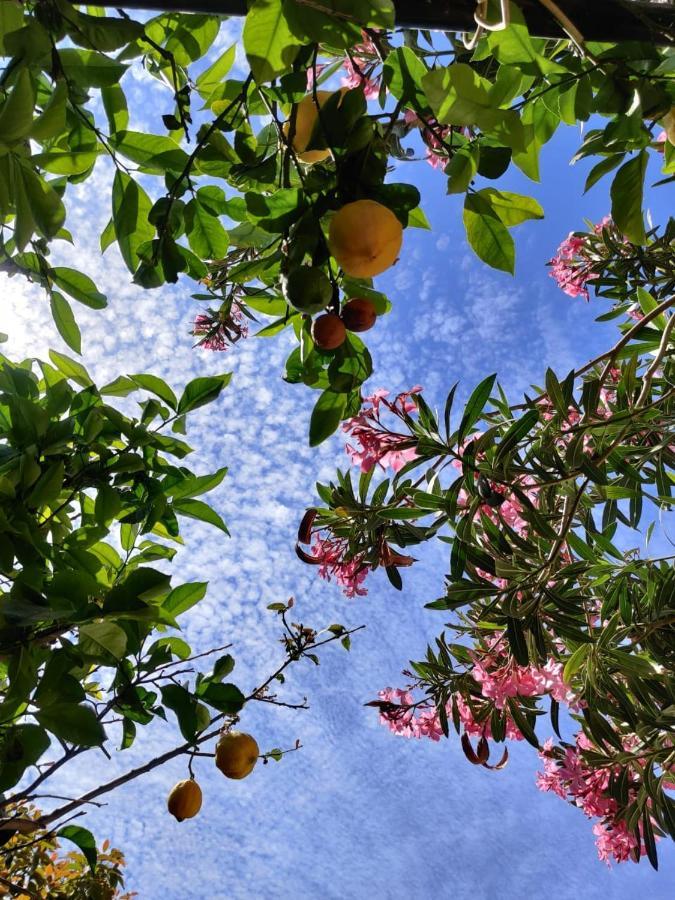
{"x":357,"y":812}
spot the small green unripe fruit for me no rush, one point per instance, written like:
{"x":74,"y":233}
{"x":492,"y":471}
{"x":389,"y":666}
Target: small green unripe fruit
{"x":328,"y":332}
{"x":308,"y":290}
{"x":359,"y":314}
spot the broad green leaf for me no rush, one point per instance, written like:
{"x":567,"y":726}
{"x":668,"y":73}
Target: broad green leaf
{"x":201,"y":391}
{"x":337,"y":23}
{"x":154,"y":153}
{"x":212,"y":77}
{"x":115,"y":105}
{"x":66,"y":162}
{"x":65,"y":321}
{"x":487,"y":235}
{"x":626,"y":192}
{"x":22,"y":746}
{"x":52,"y":120}
{"x":462,"y":168}
{"x":88,"y":68}
{"x":193,"y":37}
{"x":45,"y":207}
{"x":195,"y":484}
{"x":156,"y":385}
{"x":269,"y":43}
{"x":511,"y":208}
{"x":71,"y":368}
{"x":226,"y":698}
{"x":104,"y":35}
{"x":206,"y":235}
{"x":48,"y":486}
{"x":197,"y":509}
{"x":16,"y":113}
{"x":79,"y":286}
{"x":184,"y":597}
{"x":73,"y":723}
{"x":131,"y":212}
{"x":83,"y":839}
{"x":326,"y":416}
{"x":103,"y":641}
{"x":403,"y":74}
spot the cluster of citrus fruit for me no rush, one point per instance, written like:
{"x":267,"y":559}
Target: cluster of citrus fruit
{"x":364,"y":238}
{"x":236,"y":755}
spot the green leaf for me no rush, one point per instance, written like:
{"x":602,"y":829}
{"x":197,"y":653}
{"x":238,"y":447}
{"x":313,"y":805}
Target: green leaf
{"x":21,"y":747}
{"x":462,"y":168}
{"x":73,"y":723}
{"x":115,"y":105}
{"x":154,"y":153}
{"x":575,"y":662}
{"x":79,"y":286}
{"x":269,"y":44}
{"x":201,"y":391}
{"x":516,"y":433}
{"x":326,"y":416}
{"x":66,"y":162}
{"x":184,"y":597}
{"x":103,"y":642}
{"x":226,"y":698}
{"x":45,"y":207}
{"x":206,"y":235}
{"x":197,"y":509}
{"x":337,"y":23}
{"x":48,"y":486}
{"x":16,"y":114}
{"x":65,"y":321}
{"x":213,"y":77}
{"x":511,"y":208}
{"x":72,"y":369}
{"x":107,"y":504}
{"x":88,"y":68}
{"x":131,"y":213}
{"x":475,"y":405}
{"x":487,"y":235}
{"x":195,"y":484}
{"x":83,"y":839}
{"x":185,"y":707}
{"x":158,"y":386}
{"x":626,"y":192}
{"x":403,"y":73}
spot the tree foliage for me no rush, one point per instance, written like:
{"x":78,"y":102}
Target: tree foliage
{"x":232,"y":192}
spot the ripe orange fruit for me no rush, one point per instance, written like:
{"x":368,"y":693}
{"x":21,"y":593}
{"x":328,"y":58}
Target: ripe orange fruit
{"x":185,"y":799}
{"x":305,"y":120}
{"x":358,"y":314}
{"x":328,"y":332}
{"x":236,"y":754}
{"x":365,"y":237}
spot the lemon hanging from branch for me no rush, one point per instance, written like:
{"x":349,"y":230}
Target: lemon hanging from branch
{"x":365,"y":238}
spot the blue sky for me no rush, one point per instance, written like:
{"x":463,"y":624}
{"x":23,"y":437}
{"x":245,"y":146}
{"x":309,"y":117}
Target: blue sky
{"x":358,"y":811}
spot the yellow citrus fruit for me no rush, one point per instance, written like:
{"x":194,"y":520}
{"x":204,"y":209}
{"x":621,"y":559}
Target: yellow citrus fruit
{"x":668,"y":122}
{"x":305,"y":120}
{"x":365,"y":238}
{"x":185,"y":799}
{"x":236,"y":754}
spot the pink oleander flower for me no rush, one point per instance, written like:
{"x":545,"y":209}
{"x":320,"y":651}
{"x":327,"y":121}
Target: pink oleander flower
{"x":332,"y":553}
{"x":376,"y":444}
{"x":500,"y":677}
{"x":220,"y":330}
{"x":436,"y":161}
{"x":570,"y":267}
{"x":572,"y":779}
{"x":360,"y":67}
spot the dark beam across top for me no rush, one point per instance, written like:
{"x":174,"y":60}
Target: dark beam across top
{"x":597,"y":20}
